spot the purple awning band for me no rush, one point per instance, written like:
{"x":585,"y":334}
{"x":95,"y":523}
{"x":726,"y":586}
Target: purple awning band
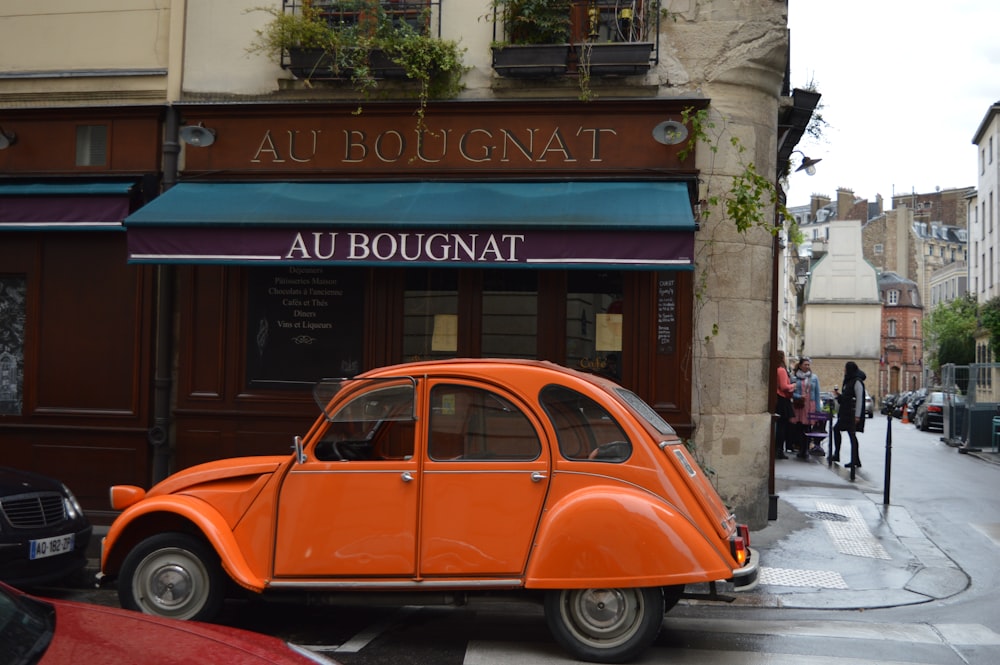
{"x":62,"y":212}
{"x":623,"y":249}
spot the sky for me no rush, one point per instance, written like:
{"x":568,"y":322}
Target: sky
{"x":904,"y":84}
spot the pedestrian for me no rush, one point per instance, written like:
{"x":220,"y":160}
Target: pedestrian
{"x":783,"y":408}
{"x":806,"y":404}
{"x":851,"y":414}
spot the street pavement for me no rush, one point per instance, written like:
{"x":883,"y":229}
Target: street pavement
{"x":837,"y":544}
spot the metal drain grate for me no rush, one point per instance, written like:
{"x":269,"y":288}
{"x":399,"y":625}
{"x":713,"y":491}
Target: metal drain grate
{"x":830,"y":517}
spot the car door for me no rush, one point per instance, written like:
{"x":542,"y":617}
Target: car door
{"x":350,"y":508}
{"x":485,"y":476}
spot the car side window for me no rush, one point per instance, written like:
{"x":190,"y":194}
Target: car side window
{"x":468,"y":423}
{"x":584,"y":429}
{"x":376,"y":425}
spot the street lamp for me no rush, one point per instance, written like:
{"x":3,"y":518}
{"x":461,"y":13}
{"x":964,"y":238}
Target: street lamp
{"x":808,"y":164}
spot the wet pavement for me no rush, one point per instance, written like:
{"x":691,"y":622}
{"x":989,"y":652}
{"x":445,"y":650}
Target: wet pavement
{"x":836,"y":545}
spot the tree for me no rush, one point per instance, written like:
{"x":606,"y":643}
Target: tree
{"x":949,"y":332}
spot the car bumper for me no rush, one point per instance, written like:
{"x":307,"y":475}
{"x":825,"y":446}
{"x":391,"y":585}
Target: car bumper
{"x":18,"y":570}
{"x":747,"y":577}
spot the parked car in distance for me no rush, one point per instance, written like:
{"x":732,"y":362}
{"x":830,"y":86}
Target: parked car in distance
{"x":43,"y":531}
{"x":888,"y":403}
{"x":869,"y":406}
{"x":44,"y":631}
{"x":451,"y":477}
{"x":930,"y":413}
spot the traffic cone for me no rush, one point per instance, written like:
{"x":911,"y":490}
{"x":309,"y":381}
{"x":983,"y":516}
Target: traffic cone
{"x":905,"y":420}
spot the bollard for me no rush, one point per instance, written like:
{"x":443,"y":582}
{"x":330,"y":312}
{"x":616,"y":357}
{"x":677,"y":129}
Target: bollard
{"x":888,"y":462}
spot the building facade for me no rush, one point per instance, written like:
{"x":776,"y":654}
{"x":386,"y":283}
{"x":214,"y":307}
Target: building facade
{"x":192,"y":236}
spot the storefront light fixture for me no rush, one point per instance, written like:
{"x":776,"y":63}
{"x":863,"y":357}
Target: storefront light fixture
{"x":7,"y":139}
{"x":198,"y":135}
{"x":808,"y":164}
{"x":670,"y":132}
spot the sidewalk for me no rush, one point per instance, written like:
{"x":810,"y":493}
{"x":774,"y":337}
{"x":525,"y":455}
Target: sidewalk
{"x":836,"y":546}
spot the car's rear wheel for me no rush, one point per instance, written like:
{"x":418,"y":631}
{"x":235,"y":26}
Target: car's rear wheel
{"x":605,"y":625}
{"x":173,"y":575}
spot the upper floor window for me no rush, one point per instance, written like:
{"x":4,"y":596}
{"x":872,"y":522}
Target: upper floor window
{"x":892,"y":327}
{"x":892,"y":297}
{"x":91,"y":145}
{"x":914,"y":333}
{"x":878,"y":248}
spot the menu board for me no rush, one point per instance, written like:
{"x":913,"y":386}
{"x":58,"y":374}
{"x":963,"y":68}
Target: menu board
{"x":303,"y":324}
{"x":666,"y":313}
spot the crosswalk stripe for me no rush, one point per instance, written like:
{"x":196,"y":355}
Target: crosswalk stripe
{"x":507,"y":653}
{"x":963,"y":634}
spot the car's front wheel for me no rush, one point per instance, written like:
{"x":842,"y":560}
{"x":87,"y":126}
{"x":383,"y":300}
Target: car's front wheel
{"x":605,"y":625}
{"x":172,"y":575}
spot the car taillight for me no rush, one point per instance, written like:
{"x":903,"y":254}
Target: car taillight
{"x":739,"y":543}
{"x":934,"y":409}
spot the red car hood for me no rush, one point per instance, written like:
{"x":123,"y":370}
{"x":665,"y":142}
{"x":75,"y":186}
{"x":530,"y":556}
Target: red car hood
{"x":98,"y":635}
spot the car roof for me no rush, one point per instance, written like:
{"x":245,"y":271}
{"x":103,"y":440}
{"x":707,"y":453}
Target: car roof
{"x":480,"y":365}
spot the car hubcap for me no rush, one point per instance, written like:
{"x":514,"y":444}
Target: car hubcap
{"x":604,"y":615}
{"x":171,"y":583}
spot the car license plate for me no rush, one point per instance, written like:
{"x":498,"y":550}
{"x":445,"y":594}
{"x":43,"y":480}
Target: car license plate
{"x":45,"y":547}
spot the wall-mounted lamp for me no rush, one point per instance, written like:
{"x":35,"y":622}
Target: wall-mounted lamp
{"x":670,"y":132}
{"x":7,"y":139}
{"x":808,"y":164}
{"x":198,"y":135}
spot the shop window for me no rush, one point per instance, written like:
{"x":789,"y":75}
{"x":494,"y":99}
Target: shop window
{"x":510,"y":314}
{"x":594,"y":322}
{"x":13,"y":295}
{"x":430,"y":315}
{"x":303,"y":324}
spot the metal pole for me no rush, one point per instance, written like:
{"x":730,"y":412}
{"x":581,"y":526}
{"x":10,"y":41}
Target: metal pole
{"x":888,"y":460}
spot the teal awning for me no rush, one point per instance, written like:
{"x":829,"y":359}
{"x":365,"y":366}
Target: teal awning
{"x":572,"y":205}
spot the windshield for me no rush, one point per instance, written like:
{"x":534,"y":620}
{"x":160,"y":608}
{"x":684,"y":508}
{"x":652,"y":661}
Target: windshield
{"x":645,"y":411}
{"x":26,"y":628}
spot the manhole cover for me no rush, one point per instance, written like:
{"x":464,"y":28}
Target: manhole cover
{"x":829,"y":517}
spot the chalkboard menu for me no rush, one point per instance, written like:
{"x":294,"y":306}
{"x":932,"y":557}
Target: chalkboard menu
{"x":666,"y":312}
{"x":303,"y":324}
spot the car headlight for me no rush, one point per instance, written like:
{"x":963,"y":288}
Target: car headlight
{"x":311,"y":655}
{"x":73,"y":508}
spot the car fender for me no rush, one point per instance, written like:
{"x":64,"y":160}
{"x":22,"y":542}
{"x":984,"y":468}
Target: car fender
{"x":620,"y":536}
{"x":170,"y":512}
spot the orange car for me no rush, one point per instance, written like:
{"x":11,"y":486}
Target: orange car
{"x":456,"y":476}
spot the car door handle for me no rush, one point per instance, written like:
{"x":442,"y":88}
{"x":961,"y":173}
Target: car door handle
{"x":407,"y":477}
{"x":537,"y":477}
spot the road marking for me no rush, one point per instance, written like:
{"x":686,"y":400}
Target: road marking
{"x":851,"y":536}
{"x":365,"y":637}
{"x":512,"y":653}
{"x":935,"y":633}
{"x":823,"y":579}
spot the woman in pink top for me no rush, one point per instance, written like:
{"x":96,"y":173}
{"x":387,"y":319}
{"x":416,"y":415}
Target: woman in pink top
{"x":783,"y":408}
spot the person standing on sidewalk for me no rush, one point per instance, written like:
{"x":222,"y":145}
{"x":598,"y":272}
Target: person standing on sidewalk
{"x":806,"y":403}
{"x":783,"y":408}
{"x":851,"y":413}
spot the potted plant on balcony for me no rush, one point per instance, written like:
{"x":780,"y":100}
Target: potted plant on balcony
{"x":356,"y":41}
{"x":536,"y":37}
{"x":615,"y":37}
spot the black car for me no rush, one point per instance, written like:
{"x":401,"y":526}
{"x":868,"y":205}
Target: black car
{"x":43,"y":531}
{"x":930,"y":413}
